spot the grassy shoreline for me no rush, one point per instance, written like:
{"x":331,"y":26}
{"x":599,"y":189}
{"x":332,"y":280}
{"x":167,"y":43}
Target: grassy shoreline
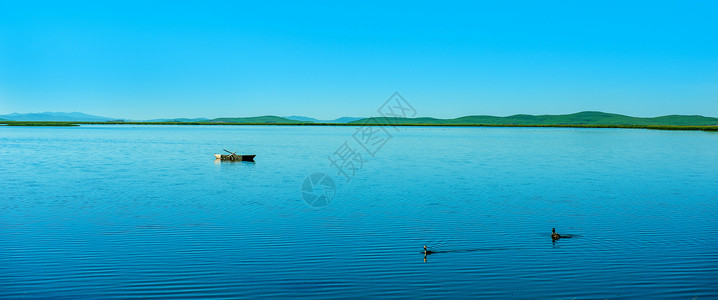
{"x":653,"y":127}
{"x":39,"y":123}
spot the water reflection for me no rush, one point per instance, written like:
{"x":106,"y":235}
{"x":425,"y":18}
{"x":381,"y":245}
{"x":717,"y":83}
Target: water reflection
{"x":229,"y":162}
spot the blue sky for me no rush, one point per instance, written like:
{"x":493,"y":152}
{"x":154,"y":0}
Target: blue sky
{"x":157,"y":59}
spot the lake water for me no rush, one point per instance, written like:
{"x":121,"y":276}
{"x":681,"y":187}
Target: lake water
{"x":145,"y":211}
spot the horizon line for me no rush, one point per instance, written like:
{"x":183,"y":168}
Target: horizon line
{"x":322,"y":119}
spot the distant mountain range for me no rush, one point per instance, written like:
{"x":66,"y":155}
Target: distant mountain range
{"x":255,"y":120}
{"x":335,"y":121}
{"x":55,"y":116}
{"x":178,"y":120}
{"x":81,"y":117}
{"x":581,"y":118}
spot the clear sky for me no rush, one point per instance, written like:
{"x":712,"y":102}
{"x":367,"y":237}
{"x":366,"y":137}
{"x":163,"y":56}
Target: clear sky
{"x":167,"y":59}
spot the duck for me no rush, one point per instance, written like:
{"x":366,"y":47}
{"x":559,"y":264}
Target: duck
{"x":555,"y":235}
{"x":426,"y":251}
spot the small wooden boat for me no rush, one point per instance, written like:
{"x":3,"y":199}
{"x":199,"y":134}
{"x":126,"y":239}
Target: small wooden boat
{"x":233,"y":156}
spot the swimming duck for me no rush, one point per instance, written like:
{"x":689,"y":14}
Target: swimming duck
{"x":555,"y":235}
{"x":427,"y":252}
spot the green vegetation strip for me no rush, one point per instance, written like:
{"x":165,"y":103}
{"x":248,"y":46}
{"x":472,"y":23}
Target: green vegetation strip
{"x":38,"y":123}
{"x":655,"y":127}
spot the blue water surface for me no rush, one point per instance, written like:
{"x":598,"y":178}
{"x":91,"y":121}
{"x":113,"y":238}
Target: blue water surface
{"x":145,"y":211}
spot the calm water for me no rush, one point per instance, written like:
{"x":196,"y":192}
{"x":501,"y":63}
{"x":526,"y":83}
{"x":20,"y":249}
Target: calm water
{"x":133,"y":211}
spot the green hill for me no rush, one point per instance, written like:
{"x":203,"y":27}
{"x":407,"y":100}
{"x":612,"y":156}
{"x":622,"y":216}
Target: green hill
{"x":257,"y":120}
{"x":582,"y":118}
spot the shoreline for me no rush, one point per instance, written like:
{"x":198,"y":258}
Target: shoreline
{"x":75,"y":124}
